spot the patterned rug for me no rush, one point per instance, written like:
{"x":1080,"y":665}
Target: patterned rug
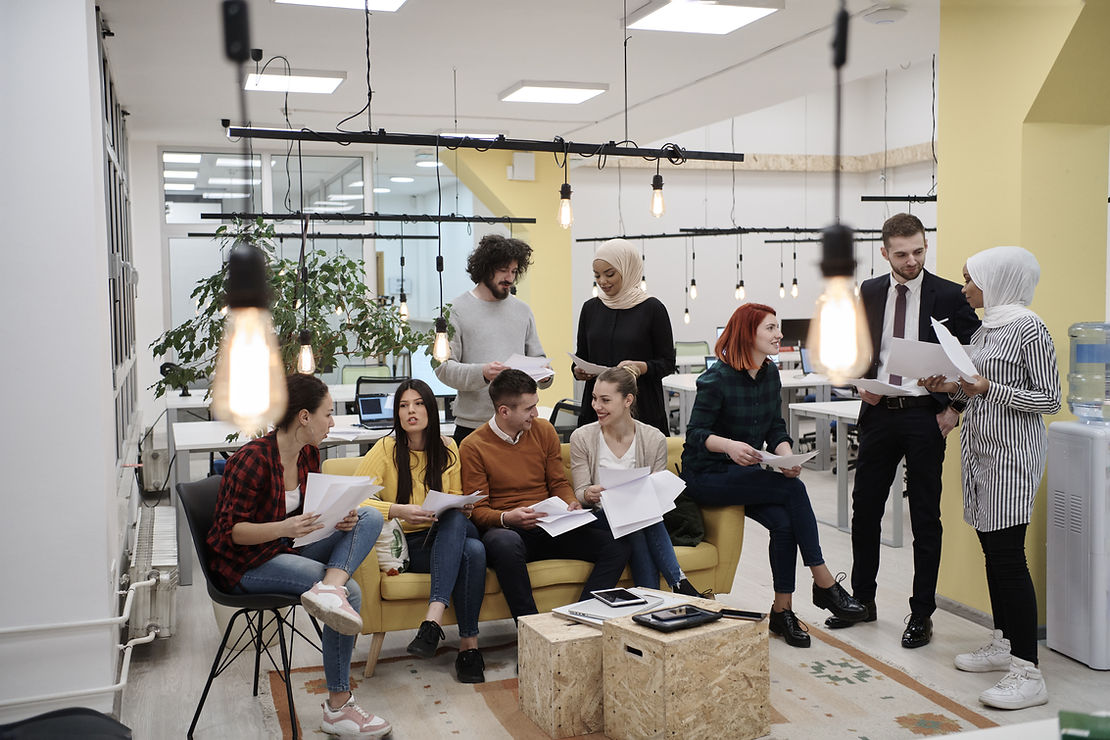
{"x":831,"y":690}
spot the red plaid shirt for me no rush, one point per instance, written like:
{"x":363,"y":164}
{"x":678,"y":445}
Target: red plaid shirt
{"x":253,"y":490}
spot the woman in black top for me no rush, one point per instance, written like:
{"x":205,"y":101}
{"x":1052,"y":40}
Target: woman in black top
{"x":626,"y":326}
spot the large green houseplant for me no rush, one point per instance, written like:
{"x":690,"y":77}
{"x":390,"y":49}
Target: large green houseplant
{"x":345,"y":317}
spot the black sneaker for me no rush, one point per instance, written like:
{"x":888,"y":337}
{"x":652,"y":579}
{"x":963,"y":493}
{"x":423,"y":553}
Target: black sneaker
{"x":836,"y":599}
{"x":427,"y":639}
{"x":786,"y":623}
{"x":470,"y":666}
{"x":686,"y":588}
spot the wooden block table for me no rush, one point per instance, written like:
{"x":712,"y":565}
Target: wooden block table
{"x":710,"y":681}
{"x":560,"y":674}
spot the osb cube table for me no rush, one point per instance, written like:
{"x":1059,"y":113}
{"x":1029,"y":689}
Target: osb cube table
{"x":710,"y":681}
{"x":560,"y":674}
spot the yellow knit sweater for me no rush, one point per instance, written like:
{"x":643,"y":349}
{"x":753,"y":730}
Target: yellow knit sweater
{"x":379,"y":463}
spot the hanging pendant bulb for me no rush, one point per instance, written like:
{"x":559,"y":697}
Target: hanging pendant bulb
{"x":794,"y":288}
{"x":306,"y":363}
{"x":693,"y":289}
{"x":643,"y":283}
{"x":782,"y":290}
{"x":441,"y":350}
{"x":740,"y":292}
{"x":404,"y":308}
{"x":565,"y":215}
{"x":686,"y":316}
{"x":657,"y":206}
{"x":248,"y":388}
{"x":594,"y":291}
{"x":839,"y":338}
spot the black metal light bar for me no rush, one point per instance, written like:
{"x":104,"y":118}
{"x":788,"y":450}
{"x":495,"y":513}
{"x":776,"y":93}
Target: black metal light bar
{"x":631,"y":237}
{"x":385,"y":237}
{"x":413,"y":217}
{"x":555,"y":146}
{"x":898,"y":198}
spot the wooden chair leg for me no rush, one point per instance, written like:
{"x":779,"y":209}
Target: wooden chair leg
{"x":376,"y":641}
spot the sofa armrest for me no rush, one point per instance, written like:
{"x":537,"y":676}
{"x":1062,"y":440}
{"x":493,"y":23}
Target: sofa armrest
{"x":724,"y":528}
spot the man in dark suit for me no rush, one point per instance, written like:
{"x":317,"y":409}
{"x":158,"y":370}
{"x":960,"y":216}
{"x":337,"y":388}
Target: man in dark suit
{"x":913,"y":427}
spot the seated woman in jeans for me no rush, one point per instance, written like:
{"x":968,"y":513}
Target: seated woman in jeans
{"x":259,"y":513}
{"x":414,"y":459}
{"x":616,"y":440}
{"x":738,"y":410}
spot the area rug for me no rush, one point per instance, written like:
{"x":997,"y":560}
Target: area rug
{"x":832,"y":690}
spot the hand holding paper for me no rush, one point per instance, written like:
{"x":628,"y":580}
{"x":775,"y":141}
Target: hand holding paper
{"x":438,"y":502}
{"x":332,"y":497}
{"x":538,"y":368}
{"x":559,"y":518}
{"x":955,"y":351}
{"x":589,"y":367}
{"x":784,"y":462}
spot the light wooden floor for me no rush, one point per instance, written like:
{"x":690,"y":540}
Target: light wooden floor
{"x":167,"y":676}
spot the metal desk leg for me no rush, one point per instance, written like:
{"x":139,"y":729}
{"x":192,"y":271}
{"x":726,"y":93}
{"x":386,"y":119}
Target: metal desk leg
{"x":684,"y":408}
{"x":184,"y":537}
{"x":842,"y":502}
{"x":896,"y":504}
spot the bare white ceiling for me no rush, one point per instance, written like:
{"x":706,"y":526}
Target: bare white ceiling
{"x":172,"y":76}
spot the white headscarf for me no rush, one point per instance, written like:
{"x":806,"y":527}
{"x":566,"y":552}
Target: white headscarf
{"x":1007,"y":276}
{"x":623,"y":256}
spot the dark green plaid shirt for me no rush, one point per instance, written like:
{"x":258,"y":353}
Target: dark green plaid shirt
{"x":731,"y":403}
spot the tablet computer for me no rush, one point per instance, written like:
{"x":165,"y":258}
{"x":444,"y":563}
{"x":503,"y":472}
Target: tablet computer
{"x":617,"y":597}
{"x":676,"y":618}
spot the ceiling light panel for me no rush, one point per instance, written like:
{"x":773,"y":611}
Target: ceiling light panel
{"x":402,"y":179}
{"x":179,"y":174}
{"x":224,"y":196}
{"x":564,"y":93}
{"x":700,"y":16}
{"x":381,"y":6}
{"x":300,"y":81}
{"x":237,"y":162}
{"x":341,"y":197}
{"x":382,"y":190}
{"x":180,"y":158}
{"x":233,"y":181}
{"x":178,"y":186}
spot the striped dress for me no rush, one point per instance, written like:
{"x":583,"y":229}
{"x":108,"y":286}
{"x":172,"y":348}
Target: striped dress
{"x":1003,"y":443}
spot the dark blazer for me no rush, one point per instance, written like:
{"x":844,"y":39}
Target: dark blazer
{"x":940,"y":299}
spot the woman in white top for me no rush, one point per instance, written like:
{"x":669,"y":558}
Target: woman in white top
{"x":1003,"y":446}
{"x":616,"y":440}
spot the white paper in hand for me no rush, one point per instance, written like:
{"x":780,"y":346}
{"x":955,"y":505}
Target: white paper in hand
{"x":955,"y":351}
{"x":587,"y":367}
{"x":438,"y":502}
{"x":537,"y":367}
{"x":878,"y":387}
{"x":332,"y":497}
{"x":787,"y":461}
{"x":631,"y":505}
{"x":559,"y":518}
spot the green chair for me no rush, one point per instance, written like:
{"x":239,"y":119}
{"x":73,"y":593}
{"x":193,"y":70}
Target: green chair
{"x":692,"y":349}
{"x":350,"y":374}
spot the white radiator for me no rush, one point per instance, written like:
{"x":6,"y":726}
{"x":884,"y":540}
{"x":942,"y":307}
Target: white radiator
{"x":155,"y":556}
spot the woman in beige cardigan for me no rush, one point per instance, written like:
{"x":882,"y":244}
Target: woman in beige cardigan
{"x":617,"y":440}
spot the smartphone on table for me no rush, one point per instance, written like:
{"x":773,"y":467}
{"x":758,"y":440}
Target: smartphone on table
{"x":617,"y":597}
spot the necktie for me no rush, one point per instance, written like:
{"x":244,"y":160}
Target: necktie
{"x":899,"y":322}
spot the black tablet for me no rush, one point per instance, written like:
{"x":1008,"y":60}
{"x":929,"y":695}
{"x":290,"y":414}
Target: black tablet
{"x":618,"y":597}
{"x":676,"y":618}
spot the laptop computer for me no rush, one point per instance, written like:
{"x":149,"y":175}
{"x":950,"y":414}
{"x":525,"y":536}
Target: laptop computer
{"x":374,"y":411}
{"x":710,"y":360}
{"x":807,"y":366}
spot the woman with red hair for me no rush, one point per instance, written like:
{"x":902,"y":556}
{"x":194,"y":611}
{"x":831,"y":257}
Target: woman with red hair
{"x":737,"y":412}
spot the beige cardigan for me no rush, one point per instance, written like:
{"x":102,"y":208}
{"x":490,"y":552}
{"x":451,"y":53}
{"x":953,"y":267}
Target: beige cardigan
{"x":651,"y":451}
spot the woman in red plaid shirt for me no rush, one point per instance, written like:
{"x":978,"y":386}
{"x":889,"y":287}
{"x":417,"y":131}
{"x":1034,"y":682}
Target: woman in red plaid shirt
{"x":258,"y":514}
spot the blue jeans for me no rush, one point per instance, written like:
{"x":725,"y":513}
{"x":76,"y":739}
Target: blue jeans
{"x":295,"y":573}
{"x":652,"y":554}
{"x":779,"y":503}
{"x":456,"y":559}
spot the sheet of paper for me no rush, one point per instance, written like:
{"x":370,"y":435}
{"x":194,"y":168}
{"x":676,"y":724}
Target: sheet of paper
{"x":787,"y":461}
{"x":573,"y":520}
{"x":915,"y":359}
{"x":878,"y":387}
{"x":439,"y":502}
{"x":641,"y":502}
{"x":332,"y":497}
{"x":537,"y":367}
{"x":587,"y":367}
{"x":613,"y":477}
{"x":955,"y":351}
{"x":344,"y":432}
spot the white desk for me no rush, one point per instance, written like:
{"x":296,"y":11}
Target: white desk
{"x":686,"y":386}
{"x":845,"y":414}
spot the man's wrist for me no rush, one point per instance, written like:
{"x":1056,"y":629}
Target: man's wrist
{"x":503,"y":513}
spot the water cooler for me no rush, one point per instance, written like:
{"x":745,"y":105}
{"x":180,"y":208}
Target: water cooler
{"x":1078,"y":595}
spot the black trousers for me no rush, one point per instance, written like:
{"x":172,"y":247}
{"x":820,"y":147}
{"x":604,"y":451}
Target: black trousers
{"x":509,"y":550}
{"x":885,"y":437}
{"x":1013,"y":598}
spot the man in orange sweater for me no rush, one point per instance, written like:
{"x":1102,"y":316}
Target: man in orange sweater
{"x":515,"y":458}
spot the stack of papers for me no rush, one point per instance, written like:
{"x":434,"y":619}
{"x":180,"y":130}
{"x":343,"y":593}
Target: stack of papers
{"x":914,"y":359}
{"x":438,"y":502}
{"x":637,"y":498}
{"x":537,"y":367}
{"x":345,"y":432}
{"x":333,"y":497}
{"x":559,"y":518}
{"x":587,"y":367}
{"x":787,"y":461}
{"x":878,"y":387}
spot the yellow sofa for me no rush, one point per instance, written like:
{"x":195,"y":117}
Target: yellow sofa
{"x":400,"y":602}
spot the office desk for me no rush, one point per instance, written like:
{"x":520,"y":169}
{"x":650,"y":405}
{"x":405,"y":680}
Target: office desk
{"x":686,"y":386}
{"x":845,"y":413}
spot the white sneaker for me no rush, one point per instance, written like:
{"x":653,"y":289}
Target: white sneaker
{"x":351,"y":720}
{"x":1022,"y":687}
{"x":994,"y":656}
{"x":329,"y":604}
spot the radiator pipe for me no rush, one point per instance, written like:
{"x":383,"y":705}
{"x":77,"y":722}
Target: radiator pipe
{"x":106,"y":622}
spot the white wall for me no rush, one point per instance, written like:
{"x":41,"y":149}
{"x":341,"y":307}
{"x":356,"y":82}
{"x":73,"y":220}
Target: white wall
{"x":58,"y":453}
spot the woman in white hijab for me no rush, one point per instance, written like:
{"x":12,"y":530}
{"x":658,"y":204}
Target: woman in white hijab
{"x":1003,"y":446}
{"x":624,"y":326}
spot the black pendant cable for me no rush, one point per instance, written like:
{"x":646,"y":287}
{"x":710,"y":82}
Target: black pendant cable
{"x":643,"y":264}
{"x":686,"y":263}
{"x":740,"y":292}
{"x":404,"y":303}
{"x":306,"y":362}
{"x":441,"y":348}
{"x":782,"y":276}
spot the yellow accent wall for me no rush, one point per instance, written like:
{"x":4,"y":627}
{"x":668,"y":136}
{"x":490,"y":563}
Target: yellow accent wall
{"x":546,"y":286}
{"x":1023,"y":139}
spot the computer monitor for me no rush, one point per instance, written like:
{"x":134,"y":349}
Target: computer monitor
{"x":421,"y":366}
{"x":710,"y":360}
{"x":807,"y":366}
{"x":794,"y":332}
{"x":720,"y":331}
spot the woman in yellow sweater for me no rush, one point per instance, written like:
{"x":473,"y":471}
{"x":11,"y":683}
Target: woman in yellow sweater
{"x":412,"y":460}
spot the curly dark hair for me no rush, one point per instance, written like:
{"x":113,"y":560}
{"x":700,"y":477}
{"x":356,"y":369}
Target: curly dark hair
{"x":495,"y":252}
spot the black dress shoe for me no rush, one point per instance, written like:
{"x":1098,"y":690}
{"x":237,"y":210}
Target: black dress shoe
{"x":786,"y":623}
{"x":426,"y":640}
{"x":836,"y":623}
{"x":919,"y":630}
{"x":470,"y":667}
{"x":836,"y":599}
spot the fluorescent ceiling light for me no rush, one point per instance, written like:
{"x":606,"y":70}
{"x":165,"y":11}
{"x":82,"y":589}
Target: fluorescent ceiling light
{"x":233,"y":181}
{"x":224,"y":196}
{"x":345,"y":196}
{"x":700,"y":16}
{"x":237,"y":162}
{"x":178,"y":158}
{"x":179,"y":174}
{"x":402,"y":179}
{"x":300,"y":81}
{"x":178,"y":186}
{"x":356,"y":184}
{"x":464,"y":135}
{"x":566,"y":93}
{"x":382,"y":190}
{"x":429,"y":163}
{"x":382,"y":6}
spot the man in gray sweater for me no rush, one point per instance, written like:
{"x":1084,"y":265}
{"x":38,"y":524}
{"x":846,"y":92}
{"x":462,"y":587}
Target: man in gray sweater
{"x":490,"y":325}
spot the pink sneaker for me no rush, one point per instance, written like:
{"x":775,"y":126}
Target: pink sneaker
{"x":329,"y":604}
{"x":352,"y":720}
